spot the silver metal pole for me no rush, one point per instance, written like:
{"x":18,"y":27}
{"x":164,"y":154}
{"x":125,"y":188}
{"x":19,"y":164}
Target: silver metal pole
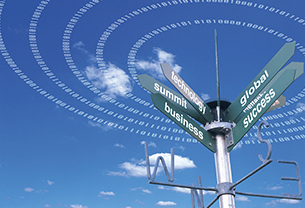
{"x":223,"y":170}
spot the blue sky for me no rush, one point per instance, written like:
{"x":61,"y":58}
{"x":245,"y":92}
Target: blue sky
{"x":74,"y":116}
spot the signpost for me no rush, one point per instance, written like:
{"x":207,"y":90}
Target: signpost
{"x":264,"y":100}
{"x":222,"y":131}
{"x":186,"y":123}
{"x":177,"y":99}
{"x":261,"y":80}
{"x":202,"y":108}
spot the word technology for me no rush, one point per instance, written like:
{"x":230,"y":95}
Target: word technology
{"x":200,"y":106}
{"x":189,"y":92}
{"x":256,"y":85}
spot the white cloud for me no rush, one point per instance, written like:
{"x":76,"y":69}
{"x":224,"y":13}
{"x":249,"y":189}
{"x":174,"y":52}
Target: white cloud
{"x":151,"y":144}
{"x":79,"y":45}
{"x":146,"y":191}
{"x":29,"y":189}
{"x":138,"y":169}
{"x":181,"y":190}
{"x":274,"y":203}
{"x":181,"y":147}
{"x":114,"y":173}
{"x":119,"y":145}
{"x":143,"y":190}
{"x":47,"y":205}
{"x":289,"y":201}
{"x":153,"y":66}
{"x":180,"y":162}
{"x":50,"y":182}
{"x":106,"y":193}
{"x":134,"y":169}
{"x":275,"y":188}
{"x":242,"y":198}
{"x":113,"y":80}
{"x":77,"y":206}
{"x":166,"y":203}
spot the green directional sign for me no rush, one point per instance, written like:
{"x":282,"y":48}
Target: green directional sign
{"x":260,"y":81}
{"x":264,"y":101}
{"x":201,"y":107}
{"x":185,"y":122}
{"x":177,"y":99}
{"x":292,"y":65}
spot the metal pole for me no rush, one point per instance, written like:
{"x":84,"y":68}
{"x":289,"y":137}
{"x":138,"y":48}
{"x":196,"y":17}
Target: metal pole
{"x":223,"y":170}
{"x":217,"y":77}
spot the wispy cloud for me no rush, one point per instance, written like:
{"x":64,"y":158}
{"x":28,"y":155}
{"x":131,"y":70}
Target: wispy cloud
{"x":274,"y":203}
{"x":274,"y":188}
{"x":138,"y":169}
{"x":106,"y":193}
{"x":150,"y":144}
{"x":112,"y":80}
{"x":152,"y":66}
{"x":166,"y":203}
{"x":50,"y":182}
{"x":289,"y":201}
{"x":182,"y":190}
{"x":77,"y":206}
{"x":143,"y":190}
{"x":180,"y":162}
{"x":103,"y":127}
{"x":242,"y":198}
{"x":119,"y":145}
{"x":29,"y":189}
{"x":180,"y":147}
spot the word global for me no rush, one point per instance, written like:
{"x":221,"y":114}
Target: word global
{"x":256,"y":85}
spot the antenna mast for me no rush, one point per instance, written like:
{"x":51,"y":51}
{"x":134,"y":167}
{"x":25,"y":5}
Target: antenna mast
{"x":217,"y":78}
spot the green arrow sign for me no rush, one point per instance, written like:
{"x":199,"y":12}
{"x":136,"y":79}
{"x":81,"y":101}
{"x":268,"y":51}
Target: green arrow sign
{"x":260,"y":81}
{"x":177,"y":99}
{"x":201,"y":107}
{"x":185,"y":122}
{"x":264,"y":101}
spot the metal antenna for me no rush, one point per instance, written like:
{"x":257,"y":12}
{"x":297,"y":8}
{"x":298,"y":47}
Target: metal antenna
{"x":217,"y":77}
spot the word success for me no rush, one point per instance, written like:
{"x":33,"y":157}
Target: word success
{"x":259,"y":108}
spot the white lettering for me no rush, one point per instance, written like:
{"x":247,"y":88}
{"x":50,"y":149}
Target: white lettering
{"x":259,"y":107}
{"x":189,"y":92}
{"x":256,"y":85}
{"x":180,"y":119}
